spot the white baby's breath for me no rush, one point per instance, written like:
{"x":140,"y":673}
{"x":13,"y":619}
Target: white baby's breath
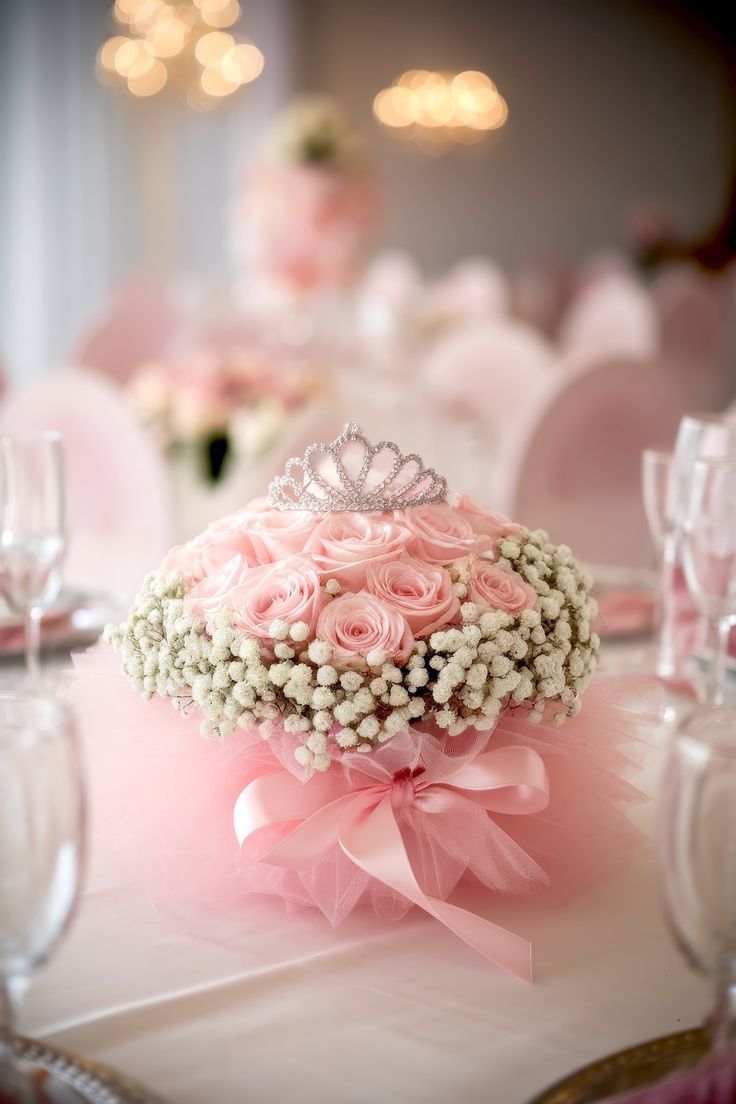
{"x":462,"y":676}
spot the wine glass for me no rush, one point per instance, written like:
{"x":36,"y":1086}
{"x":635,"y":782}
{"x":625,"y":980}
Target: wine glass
{"x":699,"y":437}
{"x":32,"y":530}
{"x":41,"y":849}
{"x":709,"y":554}
{"x":697,"y":869}
{"x":656,"y":477}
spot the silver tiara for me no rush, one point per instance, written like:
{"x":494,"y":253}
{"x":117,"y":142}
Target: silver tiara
{"x":350,"y":474}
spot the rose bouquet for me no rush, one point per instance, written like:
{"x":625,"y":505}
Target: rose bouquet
{"x":391,"y":680}
{"x":219,"y":403}
{"x":308,"y":207}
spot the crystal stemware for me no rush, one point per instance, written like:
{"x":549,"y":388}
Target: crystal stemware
{"x":709,"y":554}
{"x":32,"y":530}
{"x":41,"y":850}
{"x":699,"y":436}
{"x":697,"y":867}
{"x":656,"y":476}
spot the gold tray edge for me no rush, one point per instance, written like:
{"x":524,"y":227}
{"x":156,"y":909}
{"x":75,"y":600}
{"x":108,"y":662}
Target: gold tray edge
{"x":571,"y":1089}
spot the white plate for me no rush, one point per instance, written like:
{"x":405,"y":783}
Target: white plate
{"x":75,"y":620}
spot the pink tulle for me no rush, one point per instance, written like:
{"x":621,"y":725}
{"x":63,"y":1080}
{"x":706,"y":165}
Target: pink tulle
{"x":162,"y":801}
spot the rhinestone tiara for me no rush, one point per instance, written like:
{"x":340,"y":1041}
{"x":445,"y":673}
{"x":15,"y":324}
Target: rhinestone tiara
{"x":351,"y":474}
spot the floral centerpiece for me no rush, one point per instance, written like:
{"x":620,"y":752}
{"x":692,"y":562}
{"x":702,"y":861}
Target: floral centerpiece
{"x":390,"y":679}
{"x":219,"y":403}
{"x":308,"y":208}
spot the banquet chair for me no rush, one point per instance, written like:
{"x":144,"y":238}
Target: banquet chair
{"x":475,"y":289}
{"x":393,"y":278}
{"x":697,"y":318}
{"x":573,"y":465}
{"x":611,"y":315}
{"x":118,"y":519}
{"x":477,"y":381}
{"x":481,"y":368}
{"x":137,"y":325}
{"x":539,"y":296}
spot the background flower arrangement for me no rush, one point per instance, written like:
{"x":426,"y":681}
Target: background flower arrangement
{"x":308,"y":209}
{"x":220,"y":402}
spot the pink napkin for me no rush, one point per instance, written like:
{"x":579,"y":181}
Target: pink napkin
{"x":625,"y":612}
{"x":53,"y":625}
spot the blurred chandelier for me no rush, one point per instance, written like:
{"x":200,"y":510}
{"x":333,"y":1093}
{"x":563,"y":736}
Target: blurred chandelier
{"x":178,"y":44}
{"x":438,"y":108}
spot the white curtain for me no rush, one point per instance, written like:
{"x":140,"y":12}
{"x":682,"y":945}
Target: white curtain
{"x":96,"y":188}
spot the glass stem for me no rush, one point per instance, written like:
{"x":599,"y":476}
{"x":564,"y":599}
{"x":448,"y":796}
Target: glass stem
{"x":667,"y":658}
{"x":723,"y":1021}
{"x":7,"y":1024}
{"x":33,"y":643}
{"x":721,"y":634}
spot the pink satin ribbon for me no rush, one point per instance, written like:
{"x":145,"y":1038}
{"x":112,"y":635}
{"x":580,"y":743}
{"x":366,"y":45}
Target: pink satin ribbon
{"x":280,"y":820}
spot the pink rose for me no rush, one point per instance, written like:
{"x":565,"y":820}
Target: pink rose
{"x":484,"y":522}
{"x":343,"y":546}
{"x":421,"y":592}
{"x":492,"y":586}
{"x":439,"y":534}
{"x":276,"y":534}
{"x":286,"y":591}
{"x":356,"y":624}
{"x":214,"y":591}
{"x":207,"y":553}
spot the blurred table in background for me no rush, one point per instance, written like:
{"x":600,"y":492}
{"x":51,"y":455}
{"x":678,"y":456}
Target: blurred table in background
{"x":374,"y":1011}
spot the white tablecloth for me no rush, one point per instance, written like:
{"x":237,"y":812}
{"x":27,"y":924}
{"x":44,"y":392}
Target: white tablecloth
{"x":291,"y":1011}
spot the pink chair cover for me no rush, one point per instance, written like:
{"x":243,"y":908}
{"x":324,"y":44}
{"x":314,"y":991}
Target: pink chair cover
{"x":138,"y":325}
{"x":488,"y":370}
{"x":117,"y":495}
{"x":540,"y":293}
{"x":697,"y":317}
{"x":480,"y":380}
{"x":474,"y":289}
{"x":573,"y":467}
{"x":612,"y":315}
{"x":393,"y":278}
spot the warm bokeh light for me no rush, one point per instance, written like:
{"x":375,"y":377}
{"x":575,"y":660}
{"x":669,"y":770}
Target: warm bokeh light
{"x":168,"y":37}
{"x":224,"y":15}
{"x":215,"y":83}
{"x":440,"y":107}
{"x":244,"y":62}
{"x":206,"y":62}
{"x":212,"y":47}
{"x":150,"y":82}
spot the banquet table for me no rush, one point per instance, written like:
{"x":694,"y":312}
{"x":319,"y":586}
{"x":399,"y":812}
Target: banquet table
{"x":283,"y":1008}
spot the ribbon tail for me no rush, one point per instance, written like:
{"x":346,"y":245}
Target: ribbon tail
{"x":504,"y":780}
{"x":375,"y":844}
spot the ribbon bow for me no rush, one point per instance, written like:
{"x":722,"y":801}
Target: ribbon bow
{"x":359,"y":805}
